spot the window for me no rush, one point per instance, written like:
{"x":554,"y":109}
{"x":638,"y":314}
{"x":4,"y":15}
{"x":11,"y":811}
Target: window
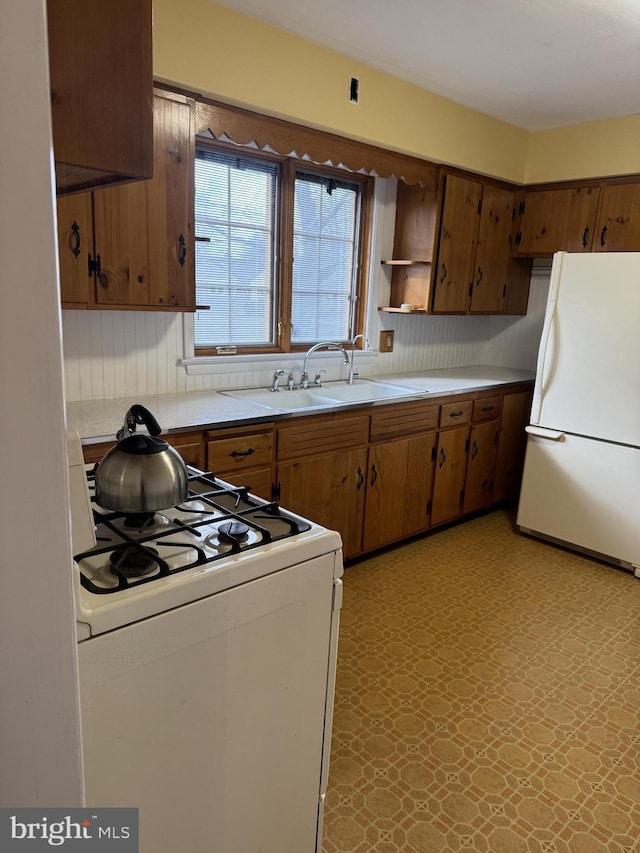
{"x":278,"y":252}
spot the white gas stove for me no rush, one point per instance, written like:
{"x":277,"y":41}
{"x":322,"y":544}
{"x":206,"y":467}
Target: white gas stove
{"x":208,"y":641}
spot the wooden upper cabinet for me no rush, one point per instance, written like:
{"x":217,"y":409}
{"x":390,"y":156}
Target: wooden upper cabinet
{"x":75,"y":248}
{"x":457,"y":248}
{"x":137,"y":239}
{"x":556,"y":220}
{"x":618,"y":228}
{"x":494,"y":272}
{"x":100,"y":58}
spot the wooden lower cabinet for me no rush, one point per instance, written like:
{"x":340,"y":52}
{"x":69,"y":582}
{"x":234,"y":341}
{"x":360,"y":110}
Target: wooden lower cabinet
{"x":450,"y":473}
{"x":483,"y":444}
{"x":511,"y":446}
{"x":328,"y":489}
{"x":243,"y":457}
{"x":190,"y":446}
{"x":398,"y":490}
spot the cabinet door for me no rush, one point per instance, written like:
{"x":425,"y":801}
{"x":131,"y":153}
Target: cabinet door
{"x":399,"y":483}
{"x":450,"y":471}
{"x":191,"y":447}
{"x":483,"y":443}
{"x":75,"y":244}
{"x":494,"y":251}
{"x":457,"y":247}
{"x":558,"y":220}
{"x":329,"y":490}
{"x":101,"y":83}
{"x":511,"y":446}
{"x":619,"y":221}
{"x":143,"y":231}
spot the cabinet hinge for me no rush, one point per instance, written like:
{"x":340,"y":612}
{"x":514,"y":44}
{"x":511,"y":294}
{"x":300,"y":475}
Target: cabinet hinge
{"x":471,"y":289}
{"x":94,"y":265}
{"x":504,"y":291}
{"x":433,"y":453}
{"x":466,"y":445}
{"x":518,"y":239}
{"x":275,"y":492}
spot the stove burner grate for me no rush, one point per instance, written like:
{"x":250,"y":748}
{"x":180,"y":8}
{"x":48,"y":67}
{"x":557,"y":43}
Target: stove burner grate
{"x":132,"y":561}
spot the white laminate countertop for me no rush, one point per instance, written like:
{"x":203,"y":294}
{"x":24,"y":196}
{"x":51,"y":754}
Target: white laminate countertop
{"x":99,"y":420}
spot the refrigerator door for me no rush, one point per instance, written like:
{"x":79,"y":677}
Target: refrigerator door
{"x":582,"y":492}
{"x":588,"y":374}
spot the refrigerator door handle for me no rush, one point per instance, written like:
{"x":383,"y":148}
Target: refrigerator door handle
{"x":542,"y":432}
{"x":546,"y":351}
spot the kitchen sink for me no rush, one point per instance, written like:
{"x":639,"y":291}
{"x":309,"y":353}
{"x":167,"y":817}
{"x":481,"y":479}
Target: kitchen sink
{"x":364,"y":391}
{"x":331,"y":394}
{"x":282,"y":400}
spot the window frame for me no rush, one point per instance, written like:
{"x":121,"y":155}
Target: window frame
{"x":283,"y":266}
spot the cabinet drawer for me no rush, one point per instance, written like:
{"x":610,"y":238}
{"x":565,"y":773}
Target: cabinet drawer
{"x":238,"y":452}
{"x":487,"y":408}
{"x":454,"y":414}
{"x":403,"y":419}
{"x":322,"y":436}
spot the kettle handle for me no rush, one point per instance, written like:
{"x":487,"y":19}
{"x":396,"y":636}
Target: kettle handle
{"x":138,"y":414}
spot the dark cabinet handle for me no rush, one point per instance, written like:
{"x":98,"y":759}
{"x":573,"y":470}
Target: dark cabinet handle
{"x":474,"y":450}
{"x":487,"y":409}
{"x":480,"y":277}
{"x":74,"y":239}
{"x":360,"y":479}
{"x":242,"y":454}
{"x":442,"y":459}
{"x":374,"y":475}
{"x":444,"y":273}
{"x":603,"y":236}
{"x":456,"y":414}
{"x":585,"y":237}
{"x":182,"y":250}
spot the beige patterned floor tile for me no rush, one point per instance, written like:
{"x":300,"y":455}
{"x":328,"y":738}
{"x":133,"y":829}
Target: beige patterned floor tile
{"x":487,"y":700}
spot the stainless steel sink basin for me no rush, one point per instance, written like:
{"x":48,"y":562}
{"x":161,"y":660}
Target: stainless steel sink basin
{"x":281,"y":400}
{"x":328,"y":395}
{"x":364,"y":391}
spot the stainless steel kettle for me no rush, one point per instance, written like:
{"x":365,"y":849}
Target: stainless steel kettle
{"x":141,"y":473}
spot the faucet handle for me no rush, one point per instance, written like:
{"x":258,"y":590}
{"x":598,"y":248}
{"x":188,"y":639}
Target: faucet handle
{"x":318,"y":381}
{"x":276,"y":380}
{"x":290,"y":381}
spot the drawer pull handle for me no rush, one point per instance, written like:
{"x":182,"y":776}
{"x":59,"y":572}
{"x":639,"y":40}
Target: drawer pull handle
{"x":374,"y":475}
{"x":487,"y":409}
{"x":444,"y":273}
{"x":585,"y":237}
{"x":603,"y":236}
{"x":182,"y":250}
{"x":443,"y":458}
{"x":458,"y":414}
{"x":360,"y":479}
{"x":474,"y":450}
{"x":242,"y":454}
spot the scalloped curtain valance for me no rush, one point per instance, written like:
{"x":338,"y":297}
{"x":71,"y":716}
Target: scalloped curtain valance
{"x":244,"y":127}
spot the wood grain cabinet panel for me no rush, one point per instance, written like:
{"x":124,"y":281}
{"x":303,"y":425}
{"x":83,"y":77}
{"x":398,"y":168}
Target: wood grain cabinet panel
{"x":554,"y":220}
{"x":618,"y":228}
{"x":511,"y":446}
{"x":450,"y":472}
{"x":100,"y":61}
{"x":399,"y":485}
{"x":483,"y":444}
{"x":75,"y":248}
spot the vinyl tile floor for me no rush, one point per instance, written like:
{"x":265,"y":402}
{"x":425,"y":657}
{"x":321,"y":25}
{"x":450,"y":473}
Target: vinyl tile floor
{"x":487,"y":699}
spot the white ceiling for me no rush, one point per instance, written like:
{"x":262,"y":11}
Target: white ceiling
{"x":533,"y":63}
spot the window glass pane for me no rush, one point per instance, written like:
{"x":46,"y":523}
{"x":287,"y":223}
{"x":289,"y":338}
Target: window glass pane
{"x":324,"y":251}
{"x":235,"y":203}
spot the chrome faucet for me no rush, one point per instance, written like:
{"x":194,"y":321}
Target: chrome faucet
{"x":352,"y":371}
{"x":304,"y":379}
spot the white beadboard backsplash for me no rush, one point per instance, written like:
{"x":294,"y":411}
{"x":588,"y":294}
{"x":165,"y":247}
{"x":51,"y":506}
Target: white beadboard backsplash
{"x":110,"y":354}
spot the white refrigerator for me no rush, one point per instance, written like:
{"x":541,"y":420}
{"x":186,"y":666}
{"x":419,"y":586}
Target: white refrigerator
{"x":581,"y":479}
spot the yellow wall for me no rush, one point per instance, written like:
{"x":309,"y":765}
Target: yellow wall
{"x":591,"y":150}
{"x":207,"y":48}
